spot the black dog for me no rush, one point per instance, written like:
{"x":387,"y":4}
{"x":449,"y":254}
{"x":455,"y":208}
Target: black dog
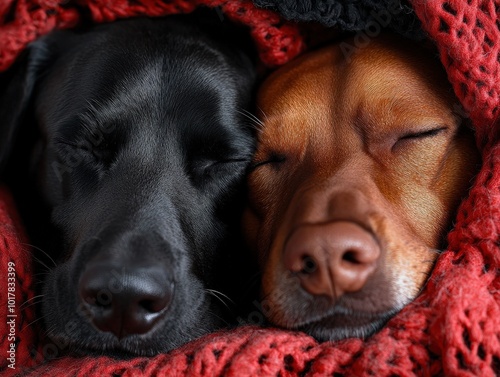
{"x":141,"y":151}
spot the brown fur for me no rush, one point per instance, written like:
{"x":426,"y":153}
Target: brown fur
{"x":342,"y":147}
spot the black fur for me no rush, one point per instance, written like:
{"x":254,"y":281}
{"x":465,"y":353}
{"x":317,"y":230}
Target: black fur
{"x":139,"y":158}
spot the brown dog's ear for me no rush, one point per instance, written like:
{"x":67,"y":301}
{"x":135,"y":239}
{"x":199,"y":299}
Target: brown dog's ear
{"x":17,"y":85}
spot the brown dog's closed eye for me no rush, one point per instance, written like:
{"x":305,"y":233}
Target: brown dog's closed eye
{"x":360,"y":165}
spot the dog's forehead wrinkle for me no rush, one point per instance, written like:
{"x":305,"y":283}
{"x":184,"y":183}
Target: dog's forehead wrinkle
{"x":389,"y":116}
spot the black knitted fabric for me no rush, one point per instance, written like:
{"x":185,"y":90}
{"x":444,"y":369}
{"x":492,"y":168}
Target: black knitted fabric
{"x":351,"y":15}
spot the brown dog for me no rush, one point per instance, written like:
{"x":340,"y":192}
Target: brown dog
{"x":360,"y":166}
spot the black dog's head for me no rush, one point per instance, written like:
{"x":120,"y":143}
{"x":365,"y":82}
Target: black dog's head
{"x":141,"y":151}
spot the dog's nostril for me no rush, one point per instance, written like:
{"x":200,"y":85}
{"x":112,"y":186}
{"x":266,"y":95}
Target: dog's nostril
{"x":309,"y":265}
{"x":350,"y":256}
{"x":103,"y":299}
{"x":154,"y":306}
{"x":150,"y":306}
{"x":100,"y":298}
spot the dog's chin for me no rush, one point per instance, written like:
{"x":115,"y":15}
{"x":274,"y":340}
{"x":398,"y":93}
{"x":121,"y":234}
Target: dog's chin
{"x":163,"y":340}
{"x":127,"y":348}
{"x":124,"y":349}
{"x":342,"y":324}
{"x":117,"y":350}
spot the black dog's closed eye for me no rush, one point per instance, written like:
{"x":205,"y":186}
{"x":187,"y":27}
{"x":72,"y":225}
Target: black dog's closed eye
{"x":213,"y":169}
{"x":207,"y":174}
{"x":139,"y":160}
{"x":209,"y":167}
{"x":274,"y":159}
{"x":103,"y":154}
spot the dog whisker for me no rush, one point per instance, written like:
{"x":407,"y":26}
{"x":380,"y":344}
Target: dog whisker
{"x":40,"y":250}
{"x":39,"y":261}
{"x":250,"y":116}
{"x":44,"y":253}
{"x":263,"y":114}
{"x":33,"y":303}
{"x":226,"y":323}
{"x":32,"y":322}
{"x":255,"y":122}
{"x":220,"y":296}
{"x":436,"y":251}
{"x":31,"y":299}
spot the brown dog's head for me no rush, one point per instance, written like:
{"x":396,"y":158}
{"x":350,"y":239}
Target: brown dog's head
{"x":361,"y":163}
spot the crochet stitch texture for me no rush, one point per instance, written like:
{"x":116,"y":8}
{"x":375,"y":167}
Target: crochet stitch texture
{"x":452,"y":328}
{"x":349,"y":15}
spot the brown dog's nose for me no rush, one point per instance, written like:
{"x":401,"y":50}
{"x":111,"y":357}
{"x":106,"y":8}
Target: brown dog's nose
{"x":332,"y":259}
{"x":125,"y":302}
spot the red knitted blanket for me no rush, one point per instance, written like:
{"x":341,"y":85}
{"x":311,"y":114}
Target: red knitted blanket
{"x":452,"y":328}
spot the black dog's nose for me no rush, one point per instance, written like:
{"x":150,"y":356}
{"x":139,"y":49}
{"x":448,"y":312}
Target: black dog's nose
{"x":128,"y":301}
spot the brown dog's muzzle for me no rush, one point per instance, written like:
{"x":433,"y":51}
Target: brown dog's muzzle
{"x":331,"y":243}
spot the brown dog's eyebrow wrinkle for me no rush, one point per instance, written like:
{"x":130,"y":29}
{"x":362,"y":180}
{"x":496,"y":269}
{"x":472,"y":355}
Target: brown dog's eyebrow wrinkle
{"x":442,"y":164}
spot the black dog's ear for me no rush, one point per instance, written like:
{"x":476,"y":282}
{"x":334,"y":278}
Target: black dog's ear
{"x":17,"y":85}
